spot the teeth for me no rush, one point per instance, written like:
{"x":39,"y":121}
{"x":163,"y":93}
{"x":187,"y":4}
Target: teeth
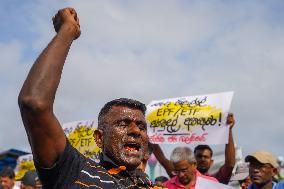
{"x":130,"y":148}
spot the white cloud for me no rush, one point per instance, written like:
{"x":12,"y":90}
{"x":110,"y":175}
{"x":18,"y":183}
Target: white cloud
{"x":12,"y":134}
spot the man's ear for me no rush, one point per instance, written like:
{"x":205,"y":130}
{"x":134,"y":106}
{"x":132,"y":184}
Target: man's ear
{"x":98,"y":136}
{"x":274,"y":171}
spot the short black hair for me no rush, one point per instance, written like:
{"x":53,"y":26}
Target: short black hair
{"x":135,"y":104}
{"x":7,"y":172}
{"x":203,"y":147}
{"x":162,"y":179}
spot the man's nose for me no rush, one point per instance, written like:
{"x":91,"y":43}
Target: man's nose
{"x":134,"y":130}
{"x":254,"y":170}
{"x":181,"y":173}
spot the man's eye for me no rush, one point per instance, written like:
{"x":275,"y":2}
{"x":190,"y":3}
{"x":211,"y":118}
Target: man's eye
{"x":142,"y":127}
{"x":122,"y":123}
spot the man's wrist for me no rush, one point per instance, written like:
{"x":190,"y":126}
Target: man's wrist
{"x":69,"y":31}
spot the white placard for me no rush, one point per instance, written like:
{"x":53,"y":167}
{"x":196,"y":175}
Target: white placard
{"x":190,"y":120}
{"x":203,"y":183}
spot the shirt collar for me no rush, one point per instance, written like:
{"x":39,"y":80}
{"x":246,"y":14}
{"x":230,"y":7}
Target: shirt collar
{"x":176,"y":181}
{"x":105,"y":158}
{"x":108,"y":164}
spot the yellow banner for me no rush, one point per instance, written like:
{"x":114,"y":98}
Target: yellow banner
{"x":80,"y":135}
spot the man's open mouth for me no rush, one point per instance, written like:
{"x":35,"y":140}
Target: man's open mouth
{"x":132,"y":147}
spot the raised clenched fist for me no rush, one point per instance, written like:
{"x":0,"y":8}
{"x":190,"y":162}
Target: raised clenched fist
{"x":230,"y":120}
{"x":67,"y":18}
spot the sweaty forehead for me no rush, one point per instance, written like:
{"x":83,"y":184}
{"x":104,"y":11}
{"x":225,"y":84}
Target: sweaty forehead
{"x":124,"y":112}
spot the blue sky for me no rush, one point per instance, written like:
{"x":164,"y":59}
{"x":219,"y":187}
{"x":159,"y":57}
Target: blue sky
{"x":153,"y":50}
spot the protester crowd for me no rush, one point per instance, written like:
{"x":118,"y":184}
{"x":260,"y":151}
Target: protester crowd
{"x":260,"y":170}
{"x":122,"y":136}
{"x":30,"y":180}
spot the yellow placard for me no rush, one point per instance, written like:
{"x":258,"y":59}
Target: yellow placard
{"x":80,"y":135}
{"x":174,"y":117}
{"x":24,"y":163}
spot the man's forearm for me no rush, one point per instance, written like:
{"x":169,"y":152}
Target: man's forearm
{"x":230,"y":152}
{"x":167,"y":164}
{"x":224,"y":174}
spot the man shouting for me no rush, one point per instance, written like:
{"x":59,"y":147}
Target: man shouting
{"x":122,"y":131}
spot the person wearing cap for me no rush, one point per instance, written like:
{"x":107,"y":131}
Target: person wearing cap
{"x":30,"y":181}
{"x":262,"y":167}
{"x":242,"y":175}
